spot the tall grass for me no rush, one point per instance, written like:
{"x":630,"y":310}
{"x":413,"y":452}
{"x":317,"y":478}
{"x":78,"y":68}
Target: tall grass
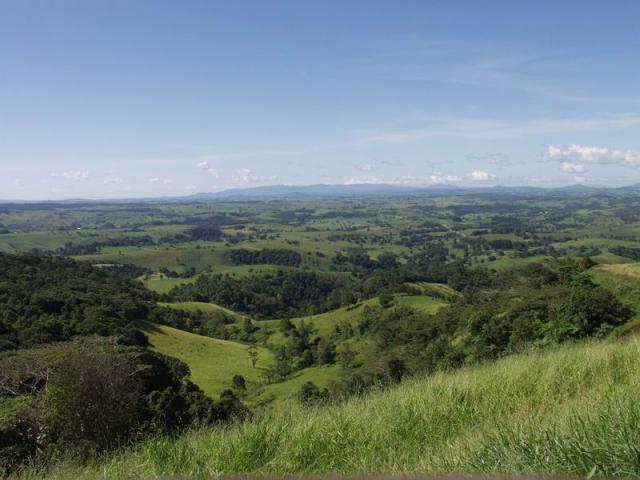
{"x":574,"y":410}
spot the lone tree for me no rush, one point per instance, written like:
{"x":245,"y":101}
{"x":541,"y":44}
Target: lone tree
{"x":396,"y":369}
{"x":253,"y":355}
{"x":239,"y":383}
{"x":347,"y":356}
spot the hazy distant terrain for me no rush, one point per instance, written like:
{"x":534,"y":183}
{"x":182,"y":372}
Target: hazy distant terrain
{"x":303,"y":321}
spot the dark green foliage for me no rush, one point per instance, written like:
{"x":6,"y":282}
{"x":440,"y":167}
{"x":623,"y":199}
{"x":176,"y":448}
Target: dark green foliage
{"x":134,"y":337}
{"x":282,"y":294}
{"x":386,"y":300}
{"x":92,"y":395}
{"x":252,"y":351}
{"x":92,"y":402}
{"x":94,"y":247}
{"x":396,"y":369}
{"x":523,"y":308}
{"x":310,"y":394}
{"x":48,"y":299}
{"x":629,"y":252}
{"x":239,"y":383}
{"x":347,"y":357}
{"x":326,"y":351}
{"x":277,"y":256}
{"x":208,"y":233}
{"x":588,"y":310}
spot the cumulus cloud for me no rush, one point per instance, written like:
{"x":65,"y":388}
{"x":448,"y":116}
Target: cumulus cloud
{"x":569,"y":167}
{"x":366,"y":167}
{"x":158,"y":181}
{"x":404,"y":180}
{"x":112,"y":180}
{"x":441,"y":178}
{"x":580,"y":154}
{"x":477,"y":176}
{"x":206,"y":166}
{"x":248,"y":176}
{"x":73,"y":175}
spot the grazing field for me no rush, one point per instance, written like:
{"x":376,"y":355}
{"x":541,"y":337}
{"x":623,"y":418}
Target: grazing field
{"x":422,"y":303}
{"x":201,"y":307}
{"x":283,"y":395}
{"x":624,"y":281}
{"x":212,"y":362}
{"x":162,"y":284}
{"x":324,"y":323}
{"x":628,"y":270}
{"x":557,"y":412}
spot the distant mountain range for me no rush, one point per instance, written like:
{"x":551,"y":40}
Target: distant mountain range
{"x":320,"y":190}
{"x":357,"y":190}
{"x":368,"y":189}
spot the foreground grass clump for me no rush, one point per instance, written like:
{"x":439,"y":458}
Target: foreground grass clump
{"x":573,"y":410}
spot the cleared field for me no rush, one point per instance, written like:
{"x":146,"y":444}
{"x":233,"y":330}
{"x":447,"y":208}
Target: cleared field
{"x":629,"y":270}
{"x":201,"y":307}
{"x":422,"y":303}
{"x":324,"y":323}
{"x":624,"y":281}
{"x":161,"y":284}
{"x":213,"y":362}
{"x":285,"y":394}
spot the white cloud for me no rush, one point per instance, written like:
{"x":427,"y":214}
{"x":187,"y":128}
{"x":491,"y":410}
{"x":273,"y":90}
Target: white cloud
{"x":569,"y":167}
{"x":477,"y":176}
{"x":579,"y":154}
{"x":404,"y":180}
{"x":112,"y":180}
{"x":158,"y":181}
{"x":73,"y":175}
{"x":440,"y":178}
{"x":206,"y":166}
{"x":366,"y":167}
{"x":248,"y":176}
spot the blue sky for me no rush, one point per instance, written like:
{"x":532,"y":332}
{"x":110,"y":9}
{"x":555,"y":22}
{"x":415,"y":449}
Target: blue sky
{"x":141,"y":98}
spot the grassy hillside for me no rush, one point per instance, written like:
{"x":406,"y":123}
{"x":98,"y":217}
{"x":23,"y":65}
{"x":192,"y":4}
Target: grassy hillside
{"x":573,"y":410}
{"x":624,"y":281}
{"x":213,"y":362}
{"x":201,"y":307}
{"x":324,"y":323}
{"x":284,"y":395}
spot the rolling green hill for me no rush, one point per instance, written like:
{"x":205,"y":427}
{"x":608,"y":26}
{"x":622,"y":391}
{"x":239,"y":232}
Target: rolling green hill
{"x":324,"y":323}
{"x":201,"y":307}
{"x":213,"y":362}
{"x":623,"y":280}
{"x":572,"y":410}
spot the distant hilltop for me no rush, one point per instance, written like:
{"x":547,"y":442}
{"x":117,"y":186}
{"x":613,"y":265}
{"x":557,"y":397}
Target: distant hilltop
{"x":370,"y":189}
{"x":357,"y":190}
